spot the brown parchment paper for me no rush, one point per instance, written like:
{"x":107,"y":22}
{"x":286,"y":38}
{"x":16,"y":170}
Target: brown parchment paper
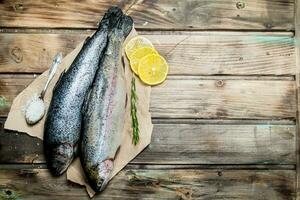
{"x":127,"y":152}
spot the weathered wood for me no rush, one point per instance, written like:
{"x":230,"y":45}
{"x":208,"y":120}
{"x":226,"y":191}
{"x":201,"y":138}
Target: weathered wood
{"x":163,"y":14}
{"x":19,"y":147}
{"x":175,"y":143}
{"x":297,"y":37}
{"x":10,"y":87}
{"x":220,"y":144}
{"x":194,"y":97}
{"x":156,"y":184}
{"x":187,"y":53}
{"x":22,"y":166}
{"x":33,"y":52}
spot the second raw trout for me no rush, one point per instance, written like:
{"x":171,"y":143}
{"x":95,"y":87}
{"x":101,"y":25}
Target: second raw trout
{"x":104,"y":111}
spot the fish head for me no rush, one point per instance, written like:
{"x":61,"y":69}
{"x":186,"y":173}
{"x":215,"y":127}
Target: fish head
{"x":100,"y":175}
{"x":60,"y":157}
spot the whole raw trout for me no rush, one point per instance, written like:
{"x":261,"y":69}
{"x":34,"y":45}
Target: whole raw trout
{"x":104,"y":110}
{"x":63,"y":122}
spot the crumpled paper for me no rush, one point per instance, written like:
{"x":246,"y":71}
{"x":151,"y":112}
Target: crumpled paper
{"x":128,"y":151}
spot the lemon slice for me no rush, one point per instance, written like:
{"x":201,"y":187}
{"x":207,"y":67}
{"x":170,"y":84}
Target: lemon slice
{"x":153,"y":69}
{"x":136,"y":43}
{"x":137,"y":55}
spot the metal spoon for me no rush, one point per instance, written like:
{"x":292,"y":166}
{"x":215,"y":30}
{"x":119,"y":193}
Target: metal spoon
{"x":35,"y":108}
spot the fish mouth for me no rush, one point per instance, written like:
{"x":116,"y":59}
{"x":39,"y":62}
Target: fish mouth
{"x":99,"y":175}
{"x":100,"y":185}
{"x":58,"y":167}
{"x":59,"y":158}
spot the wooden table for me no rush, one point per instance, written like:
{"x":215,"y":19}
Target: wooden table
{"x":225,"y":122}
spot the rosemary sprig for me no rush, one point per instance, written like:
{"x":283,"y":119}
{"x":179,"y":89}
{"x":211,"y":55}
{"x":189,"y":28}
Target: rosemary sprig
{"x":135,"y":122}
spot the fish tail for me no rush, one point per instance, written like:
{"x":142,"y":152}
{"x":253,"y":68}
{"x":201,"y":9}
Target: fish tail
{"x":127,"y":25}
{"x":123,"y":26}
{"x":110,"y":18}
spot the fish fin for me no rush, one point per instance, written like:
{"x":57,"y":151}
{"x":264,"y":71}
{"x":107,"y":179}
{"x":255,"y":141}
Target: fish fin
{"x":114,"y":157}
{"x":123,"y":62}
{"x":85,"y":101}
{"x":76,"y":150}
{"x":59,"y":79}
{"x":126,"y":100}
{"x":117,"y":152}
{"x":86,"y":39}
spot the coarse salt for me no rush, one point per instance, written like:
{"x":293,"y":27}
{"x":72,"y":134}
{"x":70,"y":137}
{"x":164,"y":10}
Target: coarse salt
{"x":34,"y":110}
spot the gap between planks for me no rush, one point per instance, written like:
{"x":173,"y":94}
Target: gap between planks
{"x":169,"y":166}
{"x":213,"y":121}
{"x":219,"y":121}
{"x":179,"y":77}
{"x":297,"y":50}
{"x":147,"y":32}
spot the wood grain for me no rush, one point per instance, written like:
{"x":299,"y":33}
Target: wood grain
{"x":297,"y":36}
{"x":194,"y":97}
{"x":156,"y":184}
{"x":226,"y":53}
{"x":220,"y":98}
{"x":175,"y":143}
{"x":163,"y":14}
{"x":10,"y":87}
{"x":220,"y":144}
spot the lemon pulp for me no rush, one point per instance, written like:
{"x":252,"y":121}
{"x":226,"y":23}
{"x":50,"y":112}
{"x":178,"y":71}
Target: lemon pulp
{"x":153,"y":69}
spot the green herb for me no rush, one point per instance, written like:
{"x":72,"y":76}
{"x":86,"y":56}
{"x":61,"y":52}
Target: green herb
{"x":135,"y":122}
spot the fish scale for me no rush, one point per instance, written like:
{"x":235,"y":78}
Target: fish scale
{"x":104,"y":111}
{"x":63,"y":122}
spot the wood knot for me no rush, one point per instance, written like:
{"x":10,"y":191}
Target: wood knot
{"x":220,"y":173}
{"x":240,"y":5}
{"x":184,"y":193}
{"x":220,"y":83}
{"x":268,"y":25}
{"x":18,"y":7}
{"x":16,"y":54}
{"x":8,"y":192}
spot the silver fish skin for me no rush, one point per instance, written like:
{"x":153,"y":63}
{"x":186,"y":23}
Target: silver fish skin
{"x":104,"y":111}
{"x":63,"y":122}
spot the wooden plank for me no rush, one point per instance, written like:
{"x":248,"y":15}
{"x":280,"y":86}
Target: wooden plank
{"x":220,"y":98}
{"x":27,"y":166}
{"x":13,"y":150}
{"x":163,"y":14}
{"x":220,"y":144}
{"x":10,"y":87}
{"x":174,"y":143}
{"x":187,"y":53}
{"x":297,"y":37}
{"x":194,"y":97}
{"x":34,"y":52}
{"x":156,"y":184}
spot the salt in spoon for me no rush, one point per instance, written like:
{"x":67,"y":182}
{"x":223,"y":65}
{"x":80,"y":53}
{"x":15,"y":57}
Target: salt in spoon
{"x":35,"y":108}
